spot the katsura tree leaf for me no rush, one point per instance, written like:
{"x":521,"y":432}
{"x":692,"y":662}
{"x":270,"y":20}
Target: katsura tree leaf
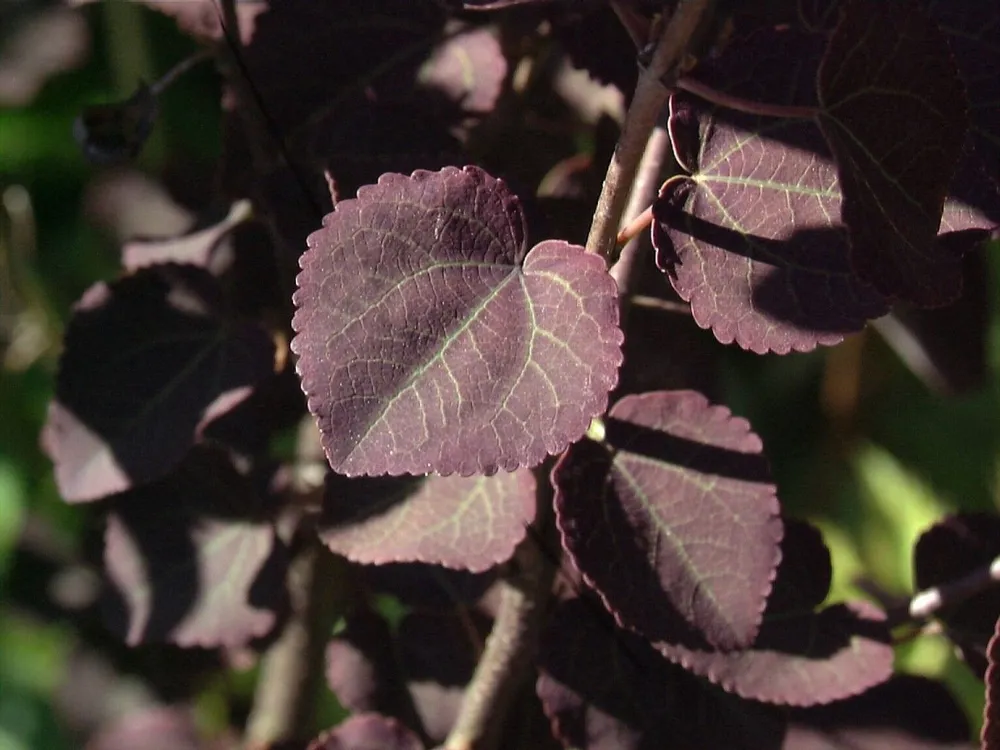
{"x":893,"y":109}
{"x":971,"y":27}
{"x":799,"y":660}
{"x":155,"y":728}
{"x":607,"y":689}
{"x":426,"y":587}
{"x":469,"y":523}
{"x":752,"y":239}
{"x":201,"y":247}
{"x":430,"y":339}
{"x":192,"y":560}
{"x":416,"y":674}
{"x":948,"y":551}
{"x":149,"y":360}
{"x":362,"y":669}
{"x":673,"y":520}
{"x":990,"y":735}
{"x":367,"y":732}
{"x":905,"y":713}
{"x":800,"y":657}
{"x":468,"y":68}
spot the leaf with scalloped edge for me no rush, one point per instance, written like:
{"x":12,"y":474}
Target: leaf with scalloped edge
{"x":431,"y":339}
{"x":894,"y":111}
{"x":367,"y":732}
{"x":192,"y":560}
{"x":673,"y":520}
{"x":468,"y":523}
{"x":752,"y":238}
{"x":149,"y":361}
{"x":800,"y":657}
{"x":990,"y":735}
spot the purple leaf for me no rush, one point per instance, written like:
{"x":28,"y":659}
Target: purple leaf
{"x":971,"y":27}
{"x":430,"y":338}
{"x":427,"y":587}
{"x":149,"y":361}
{"x":367,"y":732}
{"x":468,"y":68}
{"x":468,"y":523}
{"x":159,"y":728}
{"x":681,"y":498}
{"x":905,"y":713}
{"x":990,"y":735}
{"x":893,"y":109}
{"x":361,"y":667}
{"x":203,"y":247}
{"x":192,"y":561}
{"x":951,"y":549}
{"x":799,"y":658}
{"x":750,"y":240}
{"x":606,"y":689}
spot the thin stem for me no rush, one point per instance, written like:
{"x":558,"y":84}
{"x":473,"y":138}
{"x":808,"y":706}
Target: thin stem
{"x":628,"y":267}
{"x":511,"y":646}
{"x":636,"y":25}
{"x":167,"y":79}
{"x":291,"y":670}
{"x":650,"y":97}
{"x":739,"y":104}
{"x":930,"y":601}
{"x":663,"y":305}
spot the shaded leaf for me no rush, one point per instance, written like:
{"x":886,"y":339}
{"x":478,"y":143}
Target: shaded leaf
{"x":800,"y":660}
{"x":470,"y":523}
{"x":149,"y":361}
{"x":680,"y":497}
{"x":200,"y":247}
{"x":362,"y":670}
{"x":800,"y":657}
{"x":905,"y":713}
{"x":948,"y":551}
{"x":990,"y":735}
{"x":192,"y":559}
{"x":367,"y":732}
{"x":159,"y":728}
{"x":893,"y":109}
{"x":430,"y":340}
{"x":607,"y":689}
{"x":427,"y":587}
{"x":971,"y":27}
{"x":751,"y":240}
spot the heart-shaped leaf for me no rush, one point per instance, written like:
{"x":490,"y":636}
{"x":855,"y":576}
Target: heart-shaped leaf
{"x":149,"y":361}
{"x":679,"y":497}
{"x":430,"y":339}
{"x":192,"y":560}
{"x":893,"y":109}
{"x":468,"y":523}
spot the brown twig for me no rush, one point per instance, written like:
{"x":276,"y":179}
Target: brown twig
{"x":651,"y":95}
{"x":739,"y":104}
{"x":512,"y":643}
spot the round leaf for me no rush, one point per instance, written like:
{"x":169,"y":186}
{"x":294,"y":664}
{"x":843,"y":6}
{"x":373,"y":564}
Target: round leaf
{"x":681,"y":499}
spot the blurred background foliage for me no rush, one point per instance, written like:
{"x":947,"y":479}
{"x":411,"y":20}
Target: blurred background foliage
{"x":873,"y":440}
